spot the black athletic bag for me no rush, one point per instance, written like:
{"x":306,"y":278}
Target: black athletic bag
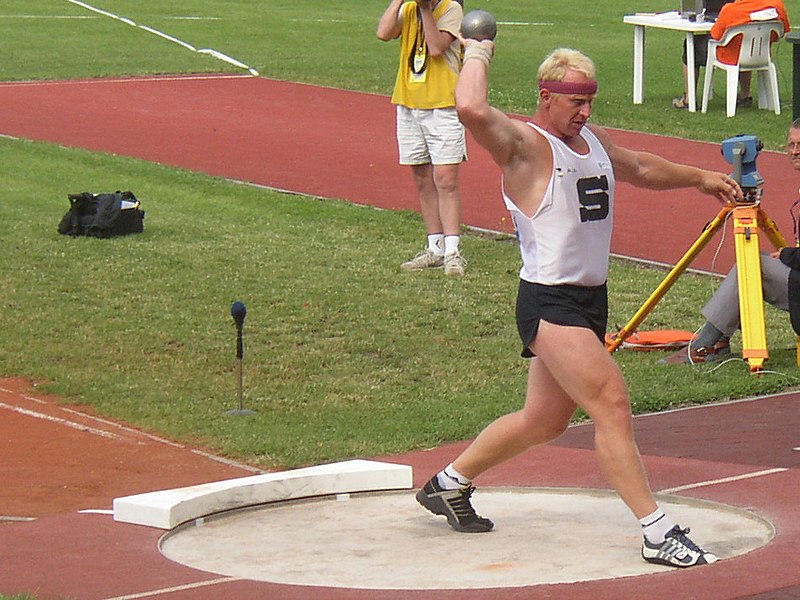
{"x":102,"y":215}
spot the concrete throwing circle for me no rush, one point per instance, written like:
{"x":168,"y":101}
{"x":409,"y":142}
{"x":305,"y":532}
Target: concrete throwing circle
{"x":387,"y":541}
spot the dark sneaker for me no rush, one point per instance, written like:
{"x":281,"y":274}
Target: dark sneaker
{"x":676,"y":550}
{"x":703,"y":354}
{"x":455,"y":505}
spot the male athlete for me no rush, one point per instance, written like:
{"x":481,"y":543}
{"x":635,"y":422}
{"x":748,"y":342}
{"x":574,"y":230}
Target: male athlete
{"x":558,"y":182}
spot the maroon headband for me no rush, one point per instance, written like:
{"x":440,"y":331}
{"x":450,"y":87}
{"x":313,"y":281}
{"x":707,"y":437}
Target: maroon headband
{"x":584,"y":88}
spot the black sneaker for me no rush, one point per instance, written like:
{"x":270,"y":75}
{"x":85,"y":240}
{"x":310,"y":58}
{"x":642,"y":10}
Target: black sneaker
{"x":676,"y":550}
{"x":455,"y":505}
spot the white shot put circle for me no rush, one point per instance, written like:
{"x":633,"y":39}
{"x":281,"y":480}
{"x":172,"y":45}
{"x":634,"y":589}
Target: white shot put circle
{"x":387,"y":541}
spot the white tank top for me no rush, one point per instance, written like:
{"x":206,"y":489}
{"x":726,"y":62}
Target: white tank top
{"x":568,"y":239}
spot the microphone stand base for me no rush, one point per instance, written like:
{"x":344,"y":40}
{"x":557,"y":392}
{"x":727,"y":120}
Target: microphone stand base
{"x":240,"y":412}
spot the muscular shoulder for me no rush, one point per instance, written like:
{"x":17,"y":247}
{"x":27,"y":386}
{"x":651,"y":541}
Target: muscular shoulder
{"x":603,"y":137}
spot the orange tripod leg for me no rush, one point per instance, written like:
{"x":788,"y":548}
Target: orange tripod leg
{"x":670,"y":279}
{"x":751,"y":298}
{"x":769,"y":227}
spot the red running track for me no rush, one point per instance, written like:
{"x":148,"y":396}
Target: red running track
{"x":340,"y":144}
{"x":738,"y":454}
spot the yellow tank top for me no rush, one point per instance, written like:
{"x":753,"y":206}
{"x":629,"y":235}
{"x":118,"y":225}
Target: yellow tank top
{"x":425,"y":81}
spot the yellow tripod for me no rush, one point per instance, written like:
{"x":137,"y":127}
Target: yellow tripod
{"x":748,"y":218}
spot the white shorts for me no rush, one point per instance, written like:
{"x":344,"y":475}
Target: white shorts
{"x":430,"y":135}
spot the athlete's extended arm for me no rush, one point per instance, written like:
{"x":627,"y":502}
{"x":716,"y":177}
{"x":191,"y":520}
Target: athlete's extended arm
{"x":647,"y":170}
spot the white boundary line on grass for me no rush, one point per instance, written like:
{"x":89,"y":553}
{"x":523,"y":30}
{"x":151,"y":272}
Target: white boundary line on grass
{"x":103,"y":81}
{"x":46,"y":17}
{"x":174,"y":18}
{"x":526,"y":23}
{"x":210,"y":51}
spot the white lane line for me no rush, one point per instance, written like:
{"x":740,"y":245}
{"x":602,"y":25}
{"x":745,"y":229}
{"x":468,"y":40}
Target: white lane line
{"x":700,"y":484}
{"x":177,"y":588}
{"x":127,"y":21}
{"x":13,"y":393}
{"x":124,"y":428}
{"x":228,"y":461}
{"x":525,"y":23}
{"x":65,"y":422}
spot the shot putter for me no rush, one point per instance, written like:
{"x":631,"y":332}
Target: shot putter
{"x":479,"y":25}
{"x":238,"y":312}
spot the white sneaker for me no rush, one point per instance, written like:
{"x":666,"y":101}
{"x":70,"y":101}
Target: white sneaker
{"x":677,"y":550}
{"x":454,"y":264}
{"x":424,"y":260}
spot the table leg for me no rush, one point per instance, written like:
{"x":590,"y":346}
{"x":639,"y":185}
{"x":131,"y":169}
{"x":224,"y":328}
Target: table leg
{"x":638,"y":64}
{"x":691,"y":93}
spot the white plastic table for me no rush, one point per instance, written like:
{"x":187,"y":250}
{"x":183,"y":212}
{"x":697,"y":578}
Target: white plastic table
{"x":668,"y":20}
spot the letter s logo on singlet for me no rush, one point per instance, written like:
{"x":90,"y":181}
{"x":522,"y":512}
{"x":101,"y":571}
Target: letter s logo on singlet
{"x":593,"y":196}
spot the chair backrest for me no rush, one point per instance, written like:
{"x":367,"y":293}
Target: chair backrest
{"x":756,"y":42}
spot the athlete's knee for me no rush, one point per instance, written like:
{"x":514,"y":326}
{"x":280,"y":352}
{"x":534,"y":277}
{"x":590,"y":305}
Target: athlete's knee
{"x":539,"y":430}
{"x":612,"y":406}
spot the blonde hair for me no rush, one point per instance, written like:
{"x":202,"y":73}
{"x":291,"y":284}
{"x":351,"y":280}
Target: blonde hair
{"x":559,"y":61}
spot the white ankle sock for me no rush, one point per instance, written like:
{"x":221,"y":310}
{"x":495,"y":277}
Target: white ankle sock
{"x":451,"y":243}
{"x":436,"y":243}
{"x":450,"y":479}
{"x":655,"y":526}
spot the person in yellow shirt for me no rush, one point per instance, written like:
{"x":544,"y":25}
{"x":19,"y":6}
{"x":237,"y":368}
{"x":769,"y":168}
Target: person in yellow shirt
{"x":430,"y":138}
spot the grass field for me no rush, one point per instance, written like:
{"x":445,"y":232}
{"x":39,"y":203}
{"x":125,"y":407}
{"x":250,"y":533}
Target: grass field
{"x":345,"y":355}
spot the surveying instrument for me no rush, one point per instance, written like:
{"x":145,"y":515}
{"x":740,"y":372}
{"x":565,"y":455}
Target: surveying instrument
{"x":748,"y":217}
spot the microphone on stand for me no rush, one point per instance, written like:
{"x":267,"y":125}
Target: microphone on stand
{"x":238,"y":312}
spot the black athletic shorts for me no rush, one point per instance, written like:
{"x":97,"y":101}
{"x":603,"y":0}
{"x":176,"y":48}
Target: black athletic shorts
{"x":561,"y":305}
{"x":700,"y":50}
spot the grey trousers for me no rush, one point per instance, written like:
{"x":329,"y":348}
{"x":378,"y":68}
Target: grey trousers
{"x":722,"y":310}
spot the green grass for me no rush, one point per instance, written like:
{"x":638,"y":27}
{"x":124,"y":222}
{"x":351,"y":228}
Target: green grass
{"x":344,"y":355}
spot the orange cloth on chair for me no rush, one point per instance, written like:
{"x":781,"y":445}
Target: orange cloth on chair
{"x":738,"y":13}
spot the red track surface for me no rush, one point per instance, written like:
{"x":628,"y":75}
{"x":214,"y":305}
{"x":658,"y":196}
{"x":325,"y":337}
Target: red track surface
{"x":52,"y":470}
{"x":341,"y":144}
